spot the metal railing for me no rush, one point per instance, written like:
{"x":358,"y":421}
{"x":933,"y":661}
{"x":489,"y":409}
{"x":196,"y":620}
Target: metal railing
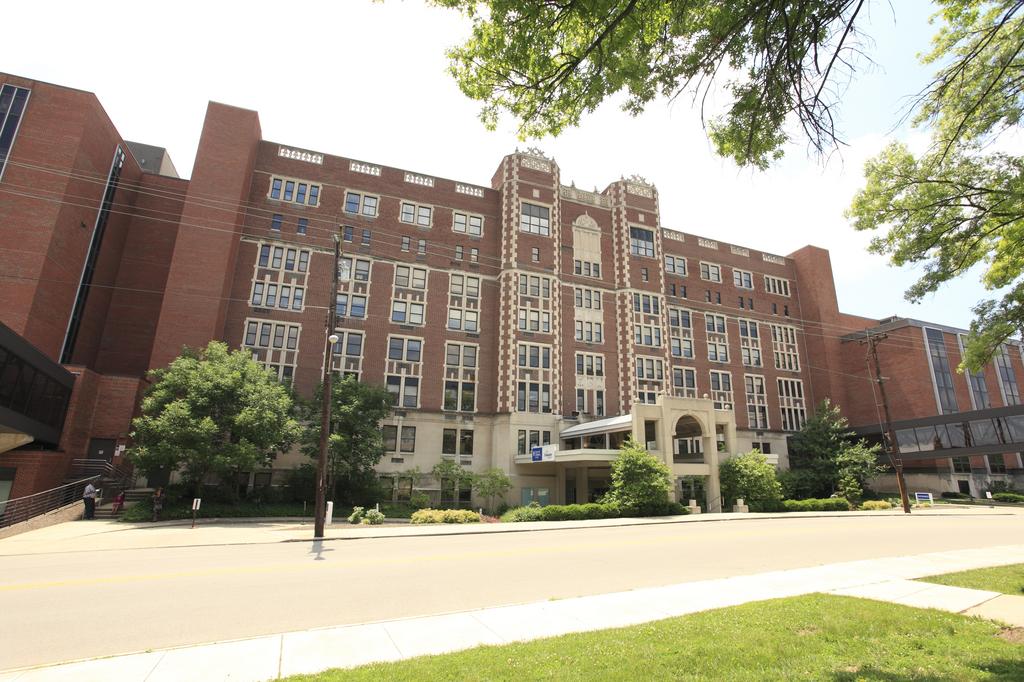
{"x":107,"y":478}
{"x":24,"y":508}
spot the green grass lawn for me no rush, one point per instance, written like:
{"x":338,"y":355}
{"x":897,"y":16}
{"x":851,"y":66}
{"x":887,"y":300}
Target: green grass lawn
{"x":814,"y":637}
{"x":1005,"y":579}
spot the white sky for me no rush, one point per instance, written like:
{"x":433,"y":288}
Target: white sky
{"x":368,"y":80}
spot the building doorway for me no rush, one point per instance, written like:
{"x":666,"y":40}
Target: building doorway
{"x":102,"y":448}
{"x":687,"y":444}
{"x":693,"y":488}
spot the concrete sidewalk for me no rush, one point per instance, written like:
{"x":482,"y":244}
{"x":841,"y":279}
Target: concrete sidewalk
{"x":310,"y":651}
{"x":113,"y":535}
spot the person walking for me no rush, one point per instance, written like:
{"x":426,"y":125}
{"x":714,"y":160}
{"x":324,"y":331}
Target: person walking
{"x":118,"y":503}
{"x":158,"y":503}
{"x":90,"y":500}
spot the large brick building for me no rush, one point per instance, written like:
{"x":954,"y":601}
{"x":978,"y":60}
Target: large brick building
{"x":502,"y":315}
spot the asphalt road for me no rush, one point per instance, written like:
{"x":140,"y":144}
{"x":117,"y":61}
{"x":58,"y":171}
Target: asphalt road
{"x":59,"y":606}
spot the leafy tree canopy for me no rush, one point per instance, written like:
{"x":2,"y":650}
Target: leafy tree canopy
{"x":355,"y":444}
{"x":752,"y":478}
{"x":639,"y":479}
{"x":550,"y":62}
{"x":212,"y":411}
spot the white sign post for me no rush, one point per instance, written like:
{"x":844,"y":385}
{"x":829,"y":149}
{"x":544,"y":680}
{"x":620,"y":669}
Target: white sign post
{"x":195,"y":507}
{"x":330,"y":513}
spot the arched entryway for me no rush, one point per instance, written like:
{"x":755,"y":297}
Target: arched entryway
{"x":687,"y":442}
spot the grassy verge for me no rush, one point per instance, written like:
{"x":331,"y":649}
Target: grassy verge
{"x":1005,"y":579}
{"x":814,"y":637}
{"x":143,"y":511}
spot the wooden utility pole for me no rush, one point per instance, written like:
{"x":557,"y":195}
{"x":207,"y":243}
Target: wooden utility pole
{"x":325,"y":414}
{"x":889,"y":436}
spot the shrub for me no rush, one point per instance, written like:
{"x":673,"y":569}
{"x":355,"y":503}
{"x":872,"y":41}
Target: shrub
{"x":373,"y":518}
{"x":1009,"y":497}
{"x":638,"y":478}
{"x":591,"y":510}
{"x":357,"y":515}
{"x":419,"y":499}
{"x":874,"y":505}
{"x":815,"y":505}
{"x":955,"y":496}
{"x":751,"y":478}
{"x":445,"y":516}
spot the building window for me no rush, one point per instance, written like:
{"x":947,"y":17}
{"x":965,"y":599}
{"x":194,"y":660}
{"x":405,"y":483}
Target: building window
{"x":460,"y":385}
{"x":346,"y":233}
{"x":961,"y":465}
{"x":406,"y":243}
{"x":589,"y":364}
{"x":404,"y":349}
{"x":996,"y":464}
{"x":404,"y":390}
{"x":590,"y":332}
{"x":718,"y":342}
{"x":721,"y":390}
{"x":588,"y":298}
{"x":408,"y":277}
{"x":743,"y":279}
{"x":599,"y":403}
{"x":353,"y":269}
{"x":467,"y":223}
{"x":750,"y":344}
{"x":302,"y":225}
{"x":421,"y":247}
{"x":408,"y":443}
{"x":346,"y":305}
{"x":12,"y":106}
{"x":787,"y":356}
{"x":675,"y":265}
{"x":474,"y":254}
{"x":416,"y":214}
{"x":647,"y":335}
{"x":652,"y":369}
{"x":791,"y":403}
{"x":361,"y":204}
{"x":641,"y":242}
{"x":275,"y":222}
{"x":534,"y":320}
{"x":711,"y":272}
{"x":535,"y":254}
{"x":535,"y":219}
{"x":532,"y":396}
{"x":459,"y":251}
{"x":776,"y":285}
{"x":645,"y":303}
{"x":1007,"y":380}
{"x":390,"y":438}
{"x":457,"y":442}
{"x":532,"y":285}
{"x":757,"y":401}
{"x":644,"y":275}
{"x":535,"y":356}
{"x":940,"y":371}
{"x":587,"y":268}
{"x":684,"y":382}
{"x":366,"y":238}
{"x":407,"y":312}
{"x":294,"y":191}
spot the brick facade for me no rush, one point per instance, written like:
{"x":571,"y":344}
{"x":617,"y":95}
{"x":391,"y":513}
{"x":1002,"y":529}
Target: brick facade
{"x":224,"y":254}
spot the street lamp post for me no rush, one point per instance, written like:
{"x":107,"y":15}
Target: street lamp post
{"x":325,"y":413}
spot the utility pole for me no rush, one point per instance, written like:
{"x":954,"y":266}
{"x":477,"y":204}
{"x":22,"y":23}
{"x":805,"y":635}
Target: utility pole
{"x":889,"y":436}
{"x":325,"y":413}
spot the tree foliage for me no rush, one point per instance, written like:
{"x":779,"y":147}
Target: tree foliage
{"x":751,"y":478}
{"x":961,"y":202}
{"x":355,"y":444}
{"x":826,"y":458}
{"x":492,"y":484}
{"x":639,"y":479}
{"x":548,"y":63}
{"x":212,"y":411}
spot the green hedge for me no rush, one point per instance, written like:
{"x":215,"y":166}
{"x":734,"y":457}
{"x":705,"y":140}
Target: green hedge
{"x":445,"y":516}
{"x":581,"y":512}
{"x":143,"y":511}
{"x":813,"y":505}
{"x":1008,"y":497}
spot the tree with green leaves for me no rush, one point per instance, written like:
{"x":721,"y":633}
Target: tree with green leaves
{"x":491,"y":484}
{"x":639,"y":479}
{"x":212,"y":411}
{"x":751,"y":478}
{"x":452,"y":478}
{"x":826,"y":457}
{"x":355,"y":444}
{"x":781,"y":68}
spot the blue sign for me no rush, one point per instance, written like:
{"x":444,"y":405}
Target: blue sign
{"x":536,"y":453}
